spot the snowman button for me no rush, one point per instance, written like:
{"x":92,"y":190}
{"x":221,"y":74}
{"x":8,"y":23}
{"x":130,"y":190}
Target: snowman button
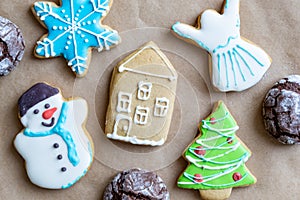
{"x":59,"y":157}
{"x":55,"y":145}
{"x":63,"y":169}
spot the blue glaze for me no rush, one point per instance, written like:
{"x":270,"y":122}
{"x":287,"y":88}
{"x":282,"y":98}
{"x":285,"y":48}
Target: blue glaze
{"x":232,"y":68}
{"x":84,"y":172}
{"x":219,"y":68}
{"x":225,"y":45}
{"x":73,"y":29}
{"x":73,"y":182}
{"x":239,"y":66}
{"x":200,"y":43}
{"x":245,"y":62}
{"x":64,"y":134}
{"x":247,"y":52}
{"x":226,"y":69}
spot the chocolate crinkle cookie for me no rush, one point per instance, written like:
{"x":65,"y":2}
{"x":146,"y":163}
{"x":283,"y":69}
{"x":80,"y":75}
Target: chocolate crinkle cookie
{"x":281,"y":110}
{"x":11,"y":46}
{"x":136,"y":184}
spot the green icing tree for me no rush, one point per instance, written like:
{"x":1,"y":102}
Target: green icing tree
{"x":217,"y":157}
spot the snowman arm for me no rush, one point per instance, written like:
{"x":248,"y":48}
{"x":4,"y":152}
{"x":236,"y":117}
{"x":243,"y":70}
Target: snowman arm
{"x":22,"y":145}
{"x":80,"y":110}
{"x":194,"y":35}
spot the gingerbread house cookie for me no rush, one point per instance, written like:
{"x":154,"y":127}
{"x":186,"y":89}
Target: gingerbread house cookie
{"x":142,"y":95}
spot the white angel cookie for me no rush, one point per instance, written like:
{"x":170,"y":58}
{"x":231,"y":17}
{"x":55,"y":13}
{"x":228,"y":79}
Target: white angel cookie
{"x":237,"y":64}
{"x":55,"y":145}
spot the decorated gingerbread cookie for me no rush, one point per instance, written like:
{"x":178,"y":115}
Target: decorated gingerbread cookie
{"x":136,"y":184}
{"x":216,"y":158}
{"x":236,"y":63}
{"x":142,"y":96}
{"x":55,"y":145}
{"x":74,"y":28}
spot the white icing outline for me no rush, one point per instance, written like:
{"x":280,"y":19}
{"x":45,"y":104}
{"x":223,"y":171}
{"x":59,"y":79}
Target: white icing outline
{"x":163,"y":109}
{"x":118,"y":119}
{"x":122,"y":102}
{"x":141,"y":115}
{"x":170,"y":78}
{"x":144,"y":90}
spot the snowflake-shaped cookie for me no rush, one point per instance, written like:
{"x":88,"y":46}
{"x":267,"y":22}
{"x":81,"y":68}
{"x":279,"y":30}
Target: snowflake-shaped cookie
{"x":73,"y":29}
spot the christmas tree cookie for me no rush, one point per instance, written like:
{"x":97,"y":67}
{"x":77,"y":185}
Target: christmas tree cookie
{"x":216,"y":158}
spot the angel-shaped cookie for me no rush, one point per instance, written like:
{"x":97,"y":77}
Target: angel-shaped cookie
{"x":237,"y":63}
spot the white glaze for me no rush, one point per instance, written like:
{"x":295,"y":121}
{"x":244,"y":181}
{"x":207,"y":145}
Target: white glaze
{"x":236,"y":63}
{"x":43,"y":167}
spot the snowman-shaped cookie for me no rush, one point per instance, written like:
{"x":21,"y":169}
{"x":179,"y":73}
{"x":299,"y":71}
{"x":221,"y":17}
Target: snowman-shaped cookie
{"x":55,"y":145}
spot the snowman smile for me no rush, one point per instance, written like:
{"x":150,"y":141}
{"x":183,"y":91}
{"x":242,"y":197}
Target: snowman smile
{"x":50,"y":124}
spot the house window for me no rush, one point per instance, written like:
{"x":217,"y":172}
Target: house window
{"x":144,"y":90}
{"x":161,"y":107}
{"x":124,"y":102}
{"x":141,"y":115}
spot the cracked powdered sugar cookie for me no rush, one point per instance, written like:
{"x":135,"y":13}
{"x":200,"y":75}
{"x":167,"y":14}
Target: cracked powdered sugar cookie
{"x":136,"y":184}
{"x":11,"y":46}
{"x":281,"y":110}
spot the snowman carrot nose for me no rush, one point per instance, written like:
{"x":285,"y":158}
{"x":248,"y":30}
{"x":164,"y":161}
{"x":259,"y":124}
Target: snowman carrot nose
{"x":48,"y":113}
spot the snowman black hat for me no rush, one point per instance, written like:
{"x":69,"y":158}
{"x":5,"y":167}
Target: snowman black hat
{"x":34,"y":95}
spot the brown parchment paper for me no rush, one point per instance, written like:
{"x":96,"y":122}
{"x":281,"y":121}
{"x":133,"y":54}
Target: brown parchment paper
{"x":272,"y":24}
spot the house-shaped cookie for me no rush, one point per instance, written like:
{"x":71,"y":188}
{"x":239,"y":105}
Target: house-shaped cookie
{"x":142,"y":95}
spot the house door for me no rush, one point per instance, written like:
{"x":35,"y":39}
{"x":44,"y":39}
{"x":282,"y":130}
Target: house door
{"x":123,"y":125}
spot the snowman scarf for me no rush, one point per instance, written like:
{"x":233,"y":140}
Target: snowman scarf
{"x":63,"y":133}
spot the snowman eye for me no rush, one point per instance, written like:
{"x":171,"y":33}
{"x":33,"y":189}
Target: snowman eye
{"x":47,"y":105}
{"x":36,"y":111}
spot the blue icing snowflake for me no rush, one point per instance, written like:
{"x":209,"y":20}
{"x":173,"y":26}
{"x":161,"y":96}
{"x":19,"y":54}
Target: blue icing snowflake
{"x":73,"y":29}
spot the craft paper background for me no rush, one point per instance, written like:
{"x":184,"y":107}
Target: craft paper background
{"x":272,"y":24}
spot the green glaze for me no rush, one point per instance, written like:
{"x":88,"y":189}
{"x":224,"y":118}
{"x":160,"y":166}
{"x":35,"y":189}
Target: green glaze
{"x":218,"y":160}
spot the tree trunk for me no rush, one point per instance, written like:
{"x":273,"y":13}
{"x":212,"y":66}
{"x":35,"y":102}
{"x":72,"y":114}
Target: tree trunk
{"x":215,"y":194}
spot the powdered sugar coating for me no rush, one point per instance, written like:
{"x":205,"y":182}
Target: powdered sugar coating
{"x":281,"y":110}
{"x":136,"y":184}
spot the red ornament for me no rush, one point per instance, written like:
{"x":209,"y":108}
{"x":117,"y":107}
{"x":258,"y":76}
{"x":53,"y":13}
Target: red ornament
{"x":230,"y":140}
{"x":200,"y":151}
{"x":237,"y":176}
{"x":212,"y":120}
{"x":198,"y":178}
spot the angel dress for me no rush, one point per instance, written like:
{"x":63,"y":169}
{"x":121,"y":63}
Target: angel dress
{"x":237,"y":64}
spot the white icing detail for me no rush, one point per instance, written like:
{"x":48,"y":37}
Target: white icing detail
{"x":236,"y":64}
{"x":135,"y":140}
{"x":42,"y":166}
{"x":124,"y":102}
{"x":46,"y":43}
{"x":122,"y":67}
{"x":161,"y":107}
{"x":44,"y":9}
{"x":66,"y":47}
{"x":54,"y":27}
{"x":86,"y":40}
{"x":144,"y":90}
{"x":126,"y":128}
{"x":141,"y":115}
